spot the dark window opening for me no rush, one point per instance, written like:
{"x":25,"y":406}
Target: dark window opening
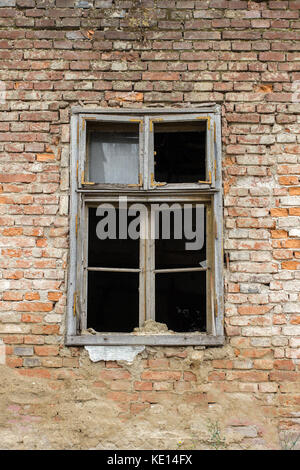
{"x":113,"y":297}
{"x":112,"y":253}
{"x":179,"y":152}
{"x":180,"y":300}
{"x":113,"y":301}
{"x":174,"y":253}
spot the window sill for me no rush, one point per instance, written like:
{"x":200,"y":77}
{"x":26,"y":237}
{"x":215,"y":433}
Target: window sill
{"x":179,"y":339}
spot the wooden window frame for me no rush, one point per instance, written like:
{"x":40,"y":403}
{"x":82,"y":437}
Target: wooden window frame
{"x":84,"y":194}
{"x":209,"y":182}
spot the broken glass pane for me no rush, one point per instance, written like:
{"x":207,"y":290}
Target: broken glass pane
{"x":113,"y":252}
{"x":180,"y":300}
{"x":179,"y":152}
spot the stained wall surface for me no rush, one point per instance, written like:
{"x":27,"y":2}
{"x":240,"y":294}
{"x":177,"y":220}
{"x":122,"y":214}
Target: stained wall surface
{"x":242,"y":55}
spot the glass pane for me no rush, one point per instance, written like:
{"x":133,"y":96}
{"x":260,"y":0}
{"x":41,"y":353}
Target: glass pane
{"x":180,"y":300}
{"x":113,"y":252}
{"x":113,"y":153}
{"x":181,"y":238}
{"x":113,"y":301}
{"x":180,"y":152}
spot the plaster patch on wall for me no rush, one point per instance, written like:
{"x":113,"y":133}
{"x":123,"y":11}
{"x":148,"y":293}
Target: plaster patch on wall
{"x":113,"y":353}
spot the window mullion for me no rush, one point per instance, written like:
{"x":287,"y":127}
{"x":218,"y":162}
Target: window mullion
{"x":82,"y":243}
{"x":150,"y":266}
{"x":147,"y":153}
{"x":210,"y":321}
{"x":142,"y":275}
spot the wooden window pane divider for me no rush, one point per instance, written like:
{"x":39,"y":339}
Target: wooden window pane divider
{"x":118,"y":270}
{"x":178,"y":270}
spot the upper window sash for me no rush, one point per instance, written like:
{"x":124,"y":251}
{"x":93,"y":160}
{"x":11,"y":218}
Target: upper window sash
{"x":151,"y":132}
{"x":105,"y":142}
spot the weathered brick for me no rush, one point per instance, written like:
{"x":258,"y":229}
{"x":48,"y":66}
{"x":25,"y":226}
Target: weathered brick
{"x":46,"y":350}
{"x":23,"y":350}
{"x":243,"y":55}
{"x":161,"y":376}
{"x":34,"y":307}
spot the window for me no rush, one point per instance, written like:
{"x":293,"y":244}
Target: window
{"x":146,"y":228}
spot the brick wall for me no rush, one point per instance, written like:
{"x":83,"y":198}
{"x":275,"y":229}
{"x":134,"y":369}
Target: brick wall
{"x":246,"y":57}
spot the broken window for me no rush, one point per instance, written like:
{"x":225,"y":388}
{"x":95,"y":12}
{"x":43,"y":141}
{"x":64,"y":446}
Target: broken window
{"x":146,"y":245}
{"x":179,"y":152}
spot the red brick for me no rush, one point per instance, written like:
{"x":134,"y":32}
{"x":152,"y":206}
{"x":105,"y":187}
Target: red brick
{"x":46,"y":350}
{"x":34,"y":307}
{"x":34,"y":339}
{"x":248,"y":376}
{"x":14,"y":362}
{"x":54,"y":296}
{"x":294,"y":191}
{"x":45,"y":329}
{"x":160,"y":376}
{"x":278,"y":233}
{"x":256,"y":353}
{"x":158,"y":363}
{"x":222,"y":364}
{"x":189,"y":376}
{"x":136,"y":408}
{"x":17,"y":178}
{"x":13,"y":339}
{"x":290,"y":265}
{"x":216,"y":376}
{"x":284,"y":376}
{"x":123,"y":96}
{"x":31,"y":318}
{"x":12,"y":295}
{"x":253,"y":309}
{"x":32,"y":296}
{"x":143,"y":386}
{"x":173,"y":76}
{"x":35,"y":372}
{"x":276,"y":212}
{"x":284,"y":364}
{"x":114,"y":374}
{"x":121,"y":385}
